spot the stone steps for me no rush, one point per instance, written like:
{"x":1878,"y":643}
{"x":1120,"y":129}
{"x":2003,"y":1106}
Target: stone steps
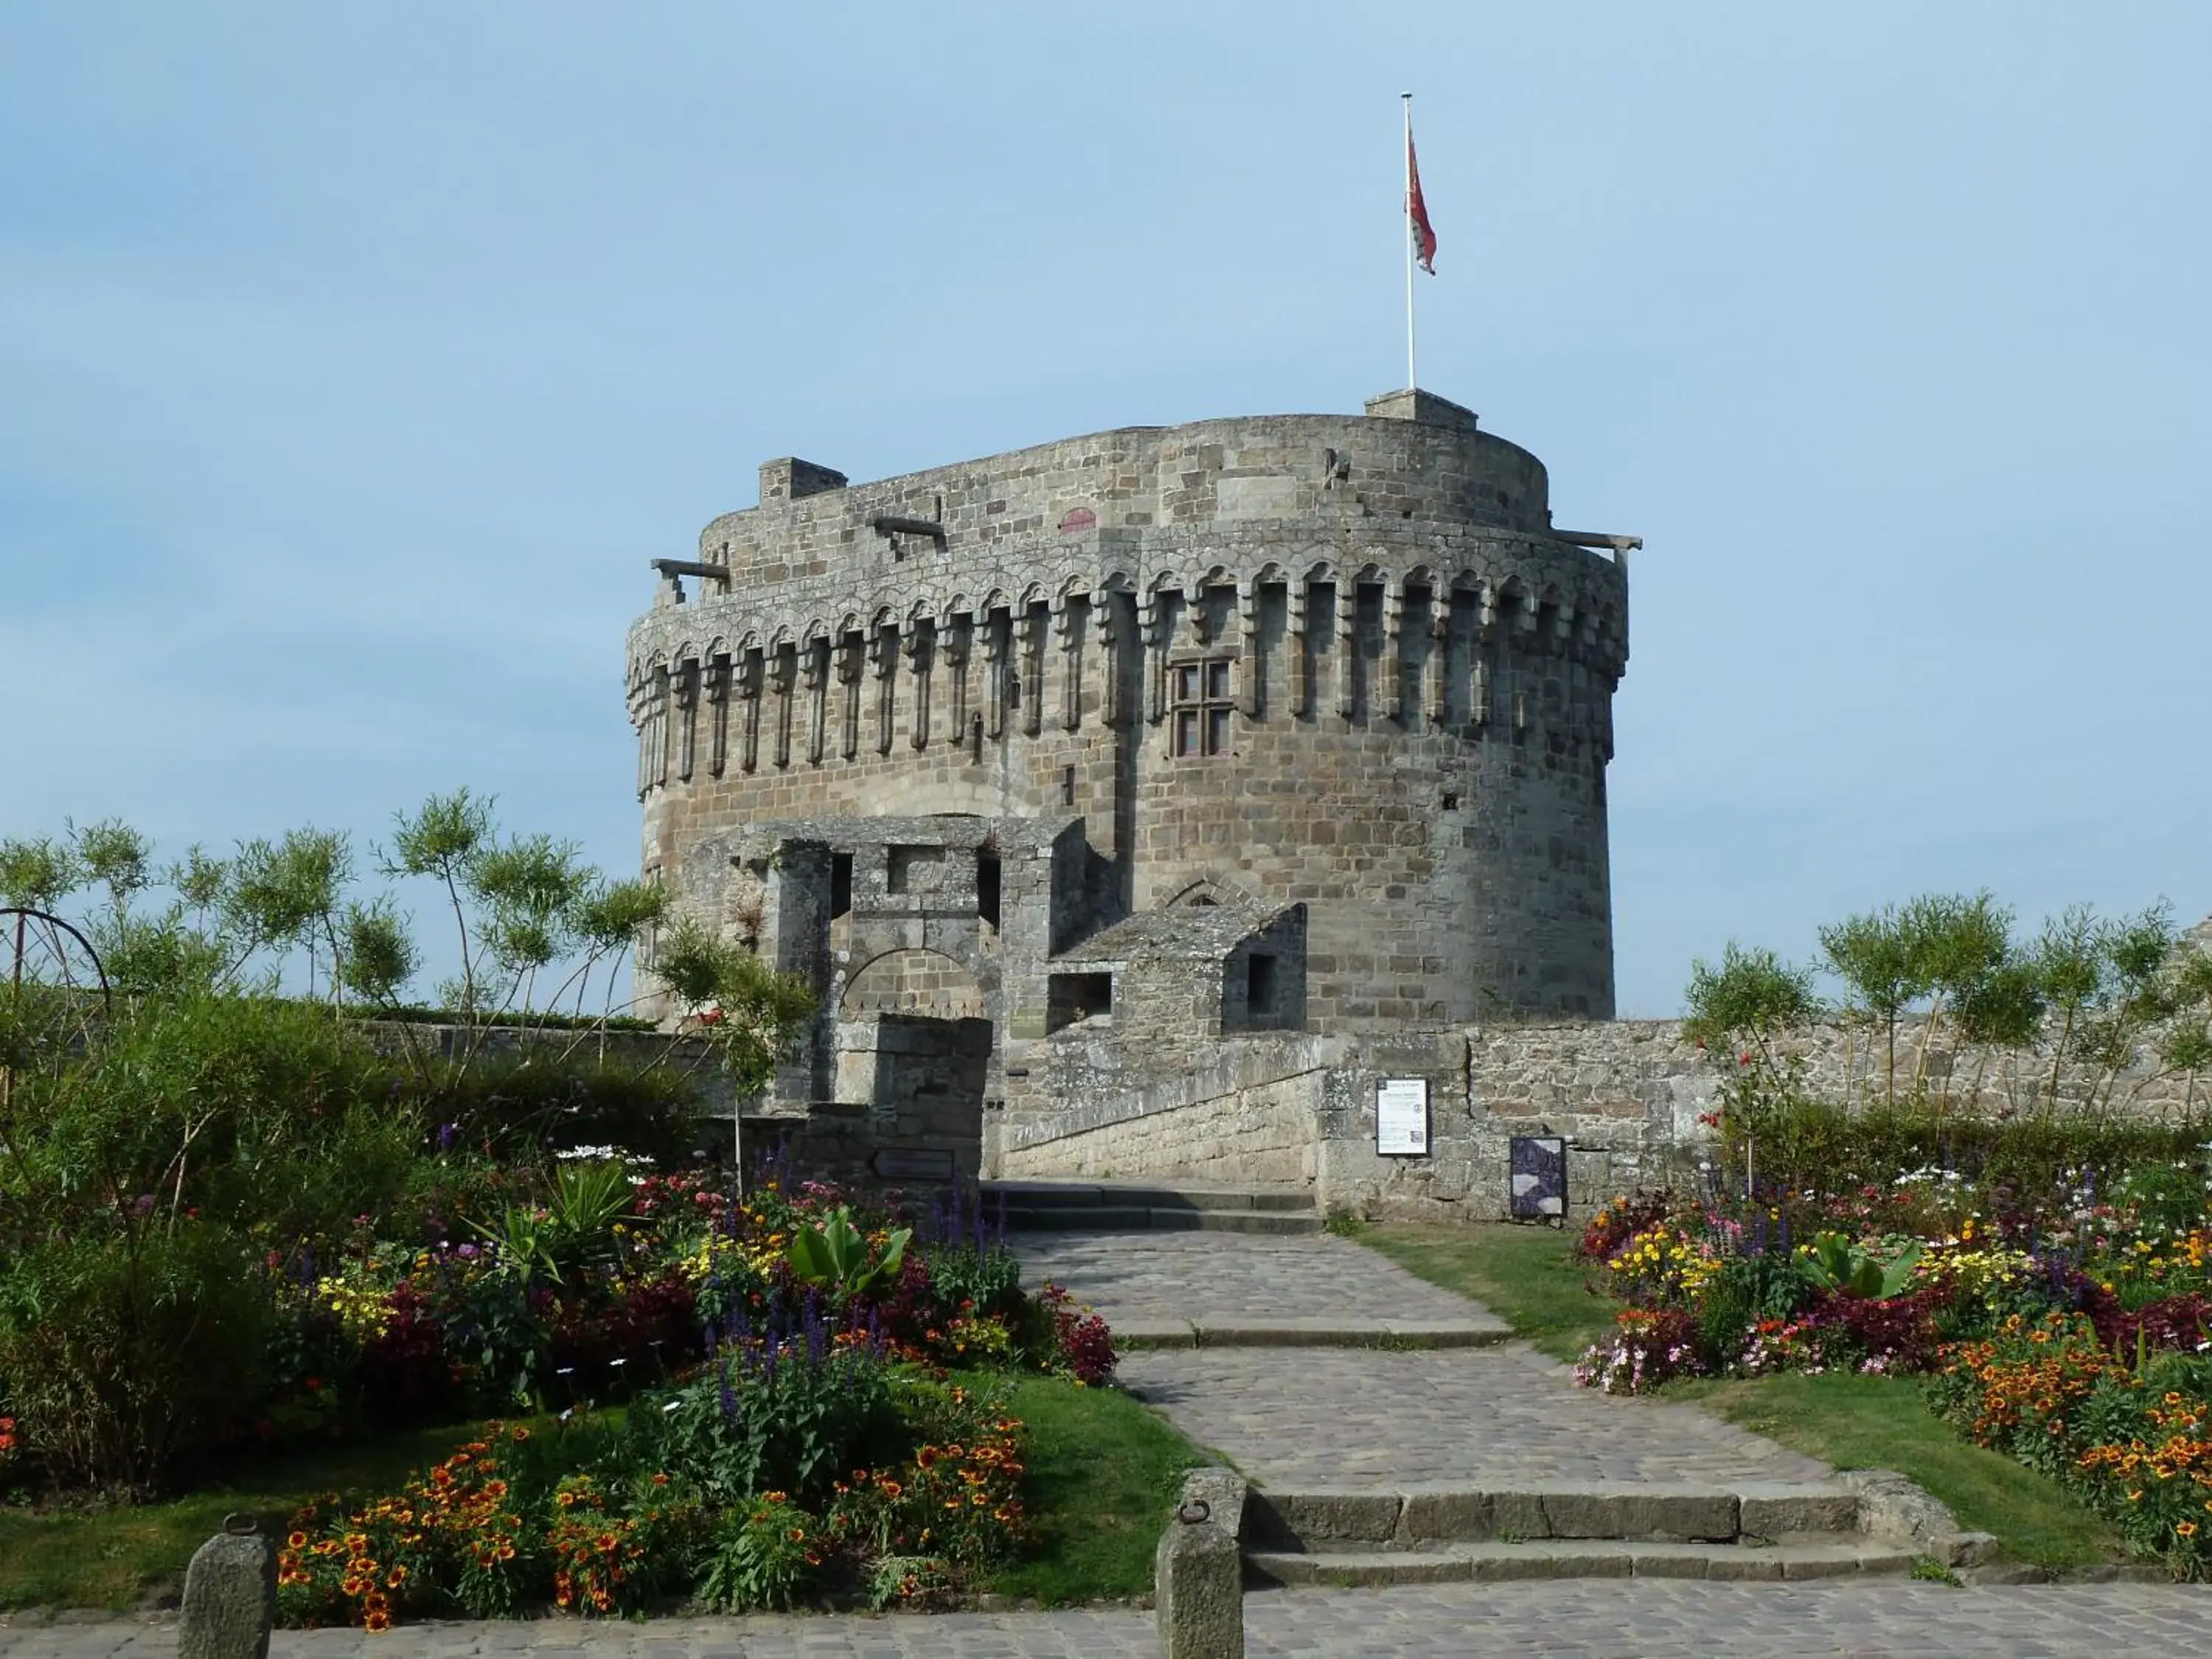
{"x":1125,"y":1207}
{"x":1765,"y":1512}
{"x":1829,"y":1556}
{"x":1441,"y":1534}
{"x":1315,"y":1331}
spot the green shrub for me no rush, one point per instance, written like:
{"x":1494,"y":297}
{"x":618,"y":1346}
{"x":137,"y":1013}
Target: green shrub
{"x":126,"y":1355}
{"x":786,"y":1415}
{"x":763,"y":1554}
{"x":1810,"y":1146}
{"x":990,"y":1279}
{"x":524,"y":1106}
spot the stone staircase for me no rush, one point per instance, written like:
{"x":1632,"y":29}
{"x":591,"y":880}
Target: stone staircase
{"x":1440,"y":1533}
{"x":1113,"y":1206}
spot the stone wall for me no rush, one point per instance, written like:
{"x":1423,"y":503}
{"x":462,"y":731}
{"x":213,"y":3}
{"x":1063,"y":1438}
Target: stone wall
{"x":1201,"y":1108}
{"x":872,"y":1149}
{"x":1626,"y":1095}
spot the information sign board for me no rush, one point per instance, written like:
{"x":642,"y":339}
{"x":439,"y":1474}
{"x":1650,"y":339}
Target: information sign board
{"x":1402,"y":1118}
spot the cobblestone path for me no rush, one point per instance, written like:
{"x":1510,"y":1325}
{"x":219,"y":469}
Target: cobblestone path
{"x":1297,"y":1418}
{"x":1212,"y":1277}
{"x":1292,"y":1418}
{"x":1585,"y":1618}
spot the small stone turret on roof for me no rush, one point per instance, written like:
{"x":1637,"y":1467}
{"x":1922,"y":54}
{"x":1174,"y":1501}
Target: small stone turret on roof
{"x":1423,"y":407}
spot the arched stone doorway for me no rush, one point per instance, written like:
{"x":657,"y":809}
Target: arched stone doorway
{"x":914,"y":1031}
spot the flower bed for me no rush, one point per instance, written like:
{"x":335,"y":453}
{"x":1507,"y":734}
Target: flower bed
{"x":775,"y":1360}
{"x":2069,"y":1328}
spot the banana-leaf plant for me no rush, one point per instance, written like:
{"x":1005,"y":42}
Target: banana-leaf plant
{"x":837,"y":1256}
{"x":1844,"y":1267}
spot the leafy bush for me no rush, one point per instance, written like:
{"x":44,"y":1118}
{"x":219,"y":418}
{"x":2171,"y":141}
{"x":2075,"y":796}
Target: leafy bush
{"x":124,"y":1353}
{"x":784,"y":1411}
{"x":761,"y":1555}
{"x":1810,"y":1146}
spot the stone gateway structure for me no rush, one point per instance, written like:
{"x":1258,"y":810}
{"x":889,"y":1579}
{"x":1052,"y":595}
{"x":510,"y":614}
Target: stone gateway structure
{"x":1135,"y":801}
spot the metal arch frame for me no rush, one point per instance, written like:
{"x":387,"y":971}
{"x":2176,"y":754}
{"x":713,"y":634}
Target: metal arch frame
{"x":23,"y":916}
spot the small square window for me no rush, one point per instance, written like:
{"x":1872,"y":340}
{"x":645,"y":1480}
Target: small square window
{"x":1204,"y":717}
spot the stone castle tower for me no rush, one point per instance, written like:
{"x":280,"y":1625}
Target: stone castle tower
{"x":1059,"y":771}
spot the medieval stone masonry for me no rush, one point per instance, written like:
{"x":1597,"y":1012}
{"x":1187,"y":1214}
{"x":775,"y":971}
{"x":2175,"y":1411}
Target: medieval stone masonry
{"x":1130,"y":799}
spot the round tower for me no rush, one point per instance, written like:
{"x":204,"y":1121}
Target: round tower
{"x":1340,"y":662}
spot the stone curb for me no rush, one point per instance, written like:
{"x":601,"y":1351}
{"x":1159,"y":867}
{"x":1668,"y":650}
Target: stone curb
{"x":1414,"y":1516}
{"x":1324,"y":1331}
{"x":1588,"y":1558}
{"x":1894,"y":1507}
{"x":2004,"y":1573}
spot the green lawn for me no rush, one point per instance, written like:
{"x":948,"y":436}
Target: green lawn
{"x":1103,"y":1473}
{"x":1528,"y":1277}
{"x":1858,"y":1422}
{"x":133,"y":1557}
{"x":1103,"y":1476}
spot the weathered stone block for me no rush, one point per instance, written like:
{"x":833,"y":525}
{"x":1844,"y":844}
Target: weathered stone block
{"x":1323,"y":1516}
{"x":1198,"y":1592}
{"x":1769,"y":1509}
{"x":1430,"y":1515}
{"x":230,"y":1598}
{"x":1644,"y":1513}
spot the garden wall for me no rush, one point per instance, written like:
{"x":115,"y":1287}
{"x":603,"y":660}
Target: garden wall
{"x":1626,"y":1094}
{"x":915,"y":1147}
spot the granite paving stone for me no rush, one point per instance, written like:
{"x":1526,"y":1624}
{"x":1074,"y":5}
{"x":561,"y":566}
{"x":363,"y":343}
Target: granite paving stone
{"x":1219,"y":1277}
{"x":1357,"y":1417}
{"x":1496,"y":1417}
{"x":1645,"y":1619}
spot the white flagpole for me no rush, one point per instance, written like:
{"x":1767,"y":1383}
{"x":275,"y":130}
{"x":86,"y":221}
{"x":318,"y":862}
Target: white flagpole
{"x":1406,"y":235}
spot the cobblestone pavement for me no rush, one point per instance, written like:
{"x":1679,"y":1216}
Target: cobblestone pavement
{"x":1204,"y":1277}
{"x":1584,"y":1619}
{"x":1353,"y":1417}
{"x":1295,"y":1418}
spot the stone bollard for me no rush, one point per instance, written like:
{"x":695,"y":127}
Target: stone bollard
{"x":1198,"y":1572}
{"x":230,"y":1595}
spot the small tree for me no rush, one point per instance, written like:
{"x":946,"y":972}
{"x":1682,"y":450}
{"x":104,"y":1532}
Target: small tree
{"x":1736,"y":1013}
{"x":752,"y":1016}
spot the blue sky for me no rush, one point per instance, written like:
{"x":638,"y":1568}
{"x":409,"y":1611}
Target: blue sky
{"x":353,"y":361}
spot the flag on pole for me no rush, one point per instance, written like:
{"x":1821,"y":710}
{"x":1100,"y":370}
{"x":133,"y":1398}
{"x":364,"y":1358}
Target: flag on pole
{"x":1417,"y":210}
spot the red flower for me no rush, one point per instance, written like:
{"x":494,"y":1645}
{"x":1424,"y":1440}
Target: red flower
{"x":1744,"y":1059}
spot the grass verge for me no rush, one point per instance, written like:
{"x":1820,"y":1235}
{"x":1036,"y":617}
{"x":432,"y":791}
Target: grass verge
{"x":1103,"y":1475}
{"x":124,"y":1558}
{"x":1528,"y":1277}
{"x":1858,"y":1422}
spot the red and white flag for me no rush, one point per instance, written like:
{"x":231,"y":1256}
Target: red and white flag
{"x":1417,"y":210}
